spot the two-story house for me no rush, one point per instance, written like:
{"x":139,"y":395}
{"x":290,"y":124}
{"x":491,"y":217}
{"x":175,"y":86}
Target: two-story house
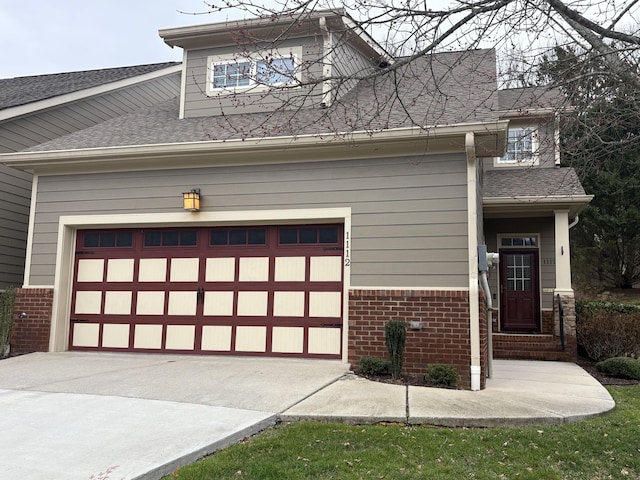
{"x":304,"y":189}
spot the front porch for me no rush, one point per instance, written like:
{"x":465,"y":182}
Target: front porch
{"x":528,"y":223}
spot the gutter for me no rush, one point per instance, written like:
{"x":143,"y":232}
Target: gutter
{"x":404,"y":141}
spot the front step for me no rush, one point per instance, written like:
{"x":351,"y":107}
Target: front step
{"x":529,"y":347}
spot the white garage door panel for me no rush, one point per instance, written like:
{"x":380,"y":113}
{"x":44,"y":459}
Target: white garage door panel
{"x":223,"y":290}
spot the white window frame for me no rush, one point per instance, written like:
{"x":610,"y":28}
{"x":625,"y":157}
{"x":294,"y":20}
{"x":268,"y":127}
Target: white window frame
{"x":253,"y":62}
{"x":526,"y":162}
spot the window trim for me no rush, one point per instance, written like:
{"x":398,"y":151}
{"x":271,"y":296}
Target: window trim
{"x":501,"y":162}
{"x":253,"y":60}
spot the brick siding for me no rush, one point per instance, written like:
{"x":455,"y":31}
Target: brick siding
{"x":31,"y":333}
{"x":443,"y":337}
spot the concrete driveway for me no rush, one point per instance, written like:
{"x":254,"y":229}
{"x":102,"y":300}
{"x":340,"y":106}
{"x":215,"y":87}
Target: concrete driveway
{"x":76,"y":415}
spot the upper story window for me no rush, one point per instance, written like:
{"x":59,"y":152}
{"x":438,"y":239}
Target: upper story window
{"x":522,"y":147}
{"x":244,"y":73}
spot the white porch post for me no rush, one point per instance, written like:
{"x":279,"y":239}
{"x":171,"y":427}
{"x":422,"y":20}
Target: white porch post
{"x":563,"y":261}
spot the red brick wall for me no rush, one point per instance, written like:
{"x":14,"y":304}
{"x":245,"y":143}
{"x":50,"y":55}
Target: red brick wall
{"x":547,"y":322}
{"x":443,"y":338}
{"x":31,"y":333}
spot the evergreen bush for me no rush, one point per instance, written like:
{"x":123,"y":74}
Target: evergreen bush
{"x":442,"y":374}
{"x":7,"y":299}
{"x":620,"y":367}
{"x":375,"y":366}
{"x":395,"y":333}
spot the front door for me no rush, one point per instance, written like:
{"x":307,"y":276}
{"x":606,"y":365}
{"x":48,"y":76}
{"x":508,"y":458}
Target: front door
{"x":519,"y":291}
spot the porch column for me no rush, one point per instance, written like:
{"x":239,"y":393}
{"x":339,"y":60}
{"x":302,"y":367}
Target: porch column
{"x":563,"y":285}
{"x":563,"y":260}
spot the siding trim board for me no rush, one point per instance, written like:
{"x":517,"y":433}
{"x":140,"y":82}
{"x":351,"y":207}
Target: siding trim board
{"x":32,"y":222}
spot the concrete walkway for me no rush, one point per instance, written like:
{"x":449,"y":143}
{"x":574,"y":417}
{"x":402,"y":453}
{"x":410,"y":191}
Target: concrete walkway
{"x":520,"y":393}
{"x":75,"y":415}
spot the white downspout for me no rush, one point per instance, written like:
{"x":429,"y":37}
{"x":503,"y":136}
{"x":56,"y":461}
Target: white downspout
{"x":492,"y":260}
{"x":472,"y":234}
{"x":574,"y":223}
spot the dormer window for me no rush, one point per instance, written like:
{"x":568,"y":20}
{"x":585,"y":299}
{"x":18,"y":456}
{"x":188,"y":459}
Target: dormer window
{"x":233,"y":74}
{"x":522,"y":147}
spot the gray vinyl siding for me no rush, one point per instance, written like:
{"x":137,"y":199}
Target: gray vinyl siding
{"x":350,"y":65}
{"x":409,"y":215}
{"x":41,"y":126}
{"x":15,"y":196}
{"x":198,"y":104}
{"x":545,"y":227}
{"x":546,"y":144}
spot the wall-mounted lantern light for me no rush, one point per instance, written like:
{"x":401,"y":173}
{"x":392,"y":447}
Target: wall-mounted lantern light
{"x":191,"y":200}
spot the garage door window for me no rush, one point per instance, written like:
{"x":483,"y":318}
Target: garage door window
{"x":238,"y":236}
{"x":170,"y":238}
{"x":107,"y":239}
{"x":309,"y":235}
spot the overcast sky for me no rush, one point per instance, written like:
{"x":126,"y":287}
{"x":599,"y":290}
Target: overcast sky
{"x":52,"y":36}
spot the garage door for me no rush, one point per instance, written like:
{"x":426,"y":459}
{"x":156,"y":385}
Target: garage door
{"x":266,"y":290}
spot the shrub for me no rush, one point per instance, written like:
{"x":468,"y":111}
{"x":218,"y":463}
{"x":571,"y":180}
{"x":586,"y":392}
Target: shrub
{"x":620,"y":367}
{"x":7,"y":299}
{"x":605,"y":330}
{"x":395,"y":334}
{"x":375,"y":366}
{"x":441,"y":374}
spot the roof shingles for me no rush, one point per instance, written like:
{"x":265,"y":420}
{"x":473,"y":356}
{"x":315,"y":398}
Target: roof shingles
{"x":24,"y":90}
{"x":443,"y":89}
{"x":532,"y":182}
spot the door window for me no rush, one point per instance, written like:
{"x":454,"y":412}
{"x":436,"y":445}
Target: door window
{"x":519,"y":272}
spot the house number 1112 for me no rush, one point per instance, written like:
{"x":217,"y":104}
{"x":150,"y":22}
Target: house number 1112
{"x":347,"y":258}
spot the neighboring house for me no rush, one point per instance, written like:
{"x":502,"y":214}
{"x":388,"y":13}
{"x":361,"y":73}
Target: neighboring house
{"x":36,"y":109}
{"x":326,"y":208}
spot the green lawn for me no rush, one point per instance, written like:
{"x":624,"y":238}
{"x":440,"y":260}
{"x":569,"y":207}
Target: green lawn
{"x":607,"y":447}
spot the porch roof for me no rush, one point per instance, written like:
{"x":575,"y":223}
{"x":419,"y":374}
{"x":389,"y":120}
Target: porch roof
{"x":533,"y":191}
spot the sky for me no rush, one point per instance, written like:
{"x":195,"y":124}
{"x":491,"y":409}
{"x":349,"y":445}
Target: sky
{"x":44,"y":36}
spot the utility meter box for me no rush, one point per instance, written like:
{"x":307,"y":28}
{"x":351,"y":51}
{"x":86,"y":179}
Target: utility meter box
{"x":483,"y":266}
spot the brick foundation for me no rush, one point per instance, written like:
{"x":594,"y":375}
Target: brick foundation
{"x":443,"y":337}
{"x":547,"y":322}
{"x":31,"y":333}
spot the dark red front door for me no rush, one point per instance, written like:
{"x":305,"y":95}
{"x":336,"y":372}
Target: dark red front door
{"x":519,"y":291}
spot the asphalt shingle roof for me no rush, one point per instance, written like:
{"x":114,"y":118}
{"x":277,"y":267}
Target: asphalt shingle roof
{"x":530,"y":98}
{"x":534,"y":181}
{"x":443,"y":89}
{"x":24,"y":90}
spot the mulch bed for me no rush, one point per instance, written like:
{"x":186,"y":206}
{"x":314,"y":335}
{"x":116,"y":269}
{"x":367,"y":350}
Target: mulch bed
{"x":584,"y":362}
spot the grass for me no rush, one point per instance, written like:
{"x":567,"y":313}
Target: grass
{"x":606,"y":447}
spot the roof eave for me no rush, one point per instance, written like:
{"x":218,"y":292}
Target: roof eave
{"x":534,"y":204}
{"x":331,"y":146}
{"x":225,"y":33}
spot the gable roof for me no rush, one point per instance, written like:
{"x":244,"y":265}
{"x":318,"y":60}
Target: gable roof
{"x":24,"y":90}
{"x":443,"y":89}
